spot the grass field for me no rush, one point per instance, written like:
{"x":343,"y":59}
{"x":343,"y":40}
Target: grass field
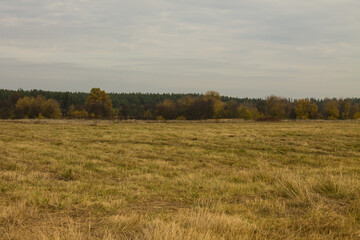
{"x":180,"y":180}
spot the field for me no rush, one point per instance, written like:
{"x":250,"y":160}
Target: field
{"x":179,"y":180}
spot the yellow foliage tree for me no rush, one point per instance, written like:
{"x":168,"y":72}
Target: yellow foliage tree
{"x":51,"y":109}
{"x":331,"y":109}
{"x":79,"y":114}
{"x":345,"y":108}
{"x":276,"y":107}
{"x":23,"y":107}
{"x":247,"y":113}
{"x":355,"y":111}
{"x":213,"y":95}
{"x":219,"y":109}
{"x":39,"y":107}
{"x":98,"y":104}
{"x":305,"y":109}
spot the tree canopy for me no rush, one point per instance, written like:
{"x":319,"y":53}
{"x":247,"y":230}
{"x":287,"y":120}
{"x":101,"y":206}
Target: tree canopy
{"x":211,"y":105}
{"x":98,"y":104}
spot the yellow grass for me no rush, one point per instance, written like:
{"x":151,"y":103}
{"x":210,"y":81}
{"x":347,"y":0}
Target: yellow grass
{"x":179,"y":180}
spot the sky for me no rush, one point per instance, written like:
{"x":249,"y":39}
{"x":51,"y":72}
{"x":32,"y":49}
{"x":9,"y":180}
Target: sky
{"x":240,"y":48}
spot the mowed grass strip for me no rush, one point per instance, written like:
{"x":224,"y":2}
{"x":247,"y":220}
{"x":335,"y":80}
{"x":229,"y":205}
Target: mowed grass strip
{"x":180,"y":180}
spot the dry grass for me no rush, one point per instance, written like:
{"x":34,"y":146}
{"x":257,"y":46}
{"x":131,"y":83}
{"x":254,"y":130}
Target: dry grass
{"x":179,"y":180}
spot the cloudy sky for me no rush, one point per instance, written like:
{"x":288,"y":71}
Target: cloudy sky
{"x":243,"y":48}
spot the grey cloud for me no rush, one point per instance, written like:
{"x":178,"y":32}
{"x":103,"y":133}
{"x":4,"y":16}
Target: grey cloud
{"x":241,"y":48}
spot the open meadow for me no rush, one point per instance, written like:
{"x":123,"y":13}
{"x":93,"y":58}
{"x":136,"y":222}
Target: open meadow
{"x":179,"y":180}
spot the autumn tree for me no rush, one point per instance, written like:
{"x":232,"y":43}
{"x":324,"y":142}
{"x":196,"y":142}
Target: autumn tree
{"x":23,"y":107}
{"x":331,"y":109}
{"x":231,"y":109}
{"x":305,"y":109}
{"x":98,"y":104}
{"x":148,"y":115}
{"x":276,"y":107}
{"x":79,"y":114}
{"x":185,"y":106}
{"x":51,"y":109}
{"x":39,"y":107}
{"x":213,"y":95}
{"x":167,"y":109}
{"x":188,"y":106}
{"x":200,"y":107}
{"x":218,"y":107}
{"x":345,"y":107}
{"x":203,"y":108}
{"x":247,"y":112}
{"x":355,"y":111}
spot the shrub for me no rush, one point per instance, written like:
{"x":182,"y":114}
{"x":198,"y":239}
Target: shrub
{"x":181,"y":118}
{"x":160,"y":117}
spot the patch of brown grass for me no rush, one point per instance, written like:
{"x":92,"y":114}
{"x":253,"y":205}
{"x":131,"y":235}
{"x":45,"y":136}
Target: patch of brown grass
{"x":179,"y":180}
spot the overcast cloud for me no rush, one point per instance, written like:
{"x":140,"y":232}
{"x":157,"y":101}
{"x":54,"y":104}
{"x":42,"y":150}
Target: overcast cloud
{"x":244,"y":48}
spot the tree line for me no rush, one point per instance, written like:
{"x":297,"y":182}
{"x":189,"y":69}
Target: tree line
{"x":98,"y":104}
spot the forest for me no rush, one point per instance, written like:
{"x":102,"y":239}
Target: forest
{"x":19,"y":104}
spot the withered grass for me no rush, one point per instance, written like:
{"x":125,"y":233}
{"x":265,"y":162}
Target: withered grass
{"x":179,"y":180}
